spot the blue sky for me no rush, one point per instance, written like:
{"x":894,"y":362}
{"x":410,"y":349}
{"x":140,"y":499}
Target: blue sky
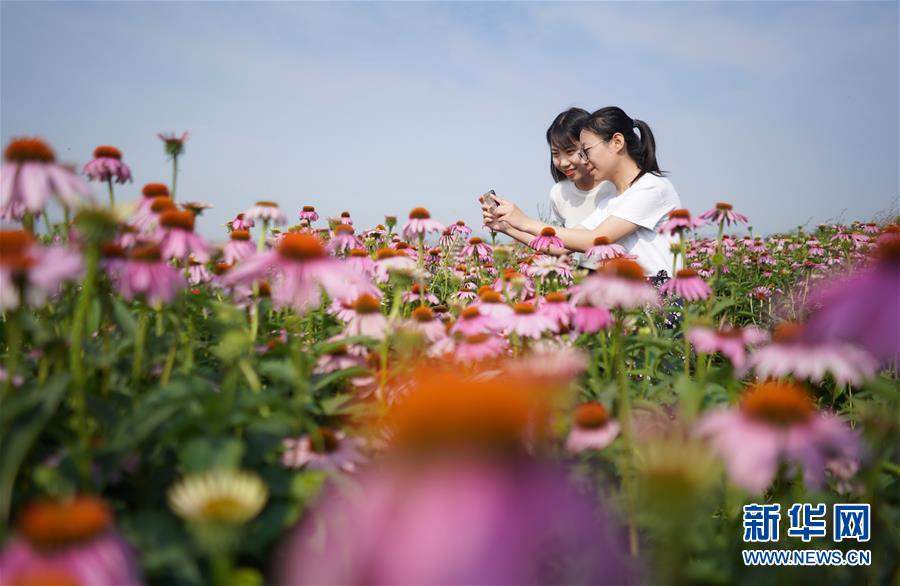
{"x":787,"y":110}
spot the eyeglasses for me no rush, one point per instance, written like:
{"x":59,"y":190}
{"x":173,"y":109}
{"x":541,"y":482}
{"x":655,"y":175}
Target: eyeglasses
{"x":582,"y":152}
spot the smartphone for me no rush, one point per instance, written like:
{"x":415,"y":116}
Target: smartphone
{"x":490,"y":199}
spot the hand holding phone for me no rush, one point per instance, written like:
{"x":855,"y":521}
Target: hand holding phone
{"x":489,"y":198}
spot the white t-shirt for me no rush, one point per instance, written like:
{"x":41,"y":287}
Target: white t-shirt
{"x":570,"y":205}
{"x":647,"y":203}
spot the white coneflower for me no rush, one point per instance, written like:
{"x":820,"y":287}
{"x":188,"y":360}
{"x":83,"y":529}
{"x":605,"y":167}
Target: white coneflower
{"x":219,"y":496}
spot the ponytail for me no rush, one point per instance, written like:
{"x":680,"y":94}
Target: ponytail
{"x":605,"y":122}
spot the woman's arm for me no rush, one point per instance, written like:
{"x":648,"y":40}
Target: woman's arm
{"x":575,"y":239}
{"x":520,"y":235}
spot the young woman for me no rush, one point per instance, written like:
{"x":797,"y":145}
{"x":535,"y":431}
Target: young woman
{"x":612,"y":151}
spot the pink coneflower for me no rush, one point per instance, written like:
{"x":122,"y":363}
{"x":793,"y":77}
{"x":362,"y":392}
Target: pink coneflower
{"x":144,"y":217}
{"x":731,"y":342}
{"x":196,"y":207}
{"x":148,"y":221}
{"x":804,"y":357}
{"x":301,"y":268}
{"x":471,"y":322}
{"x":477,"y":247}
{"x":174,"y":145}
{"x":619,"y":283}
{"x":417,"y":292}
{"x":177,"y":238}
{"x":514,"y":285}
{"x":592,"y":428}
{"x":406,"y":249}
{"x":756,"y":245}
{"x":74,"y":542}
{"x":680,"y":220}
{"x":32,"y":270}
{"x":459,"y":227}
{"x":147,"y":275}
{"x":546,"y":239}
{"x":760,"y":293}
{"x":776,"y":421}
{"x":419,"y":224}
{"x":242,"y":222}
{"x":197,"y":272}
{"x":723,"y":212}
{"x":267,"y":211}
{"x":544,"y":266}
{"x":687,"y":284}
{"x":309,"y":214}
{"x":862,"y":308}
{"x":326,"y":449}
{"x":30,"y":175}
{"x":491,"y":303}
{"x":344,"y":239}
{"x":359,"y":260}
{"x":447,"y":238}
{"x":367,"y":319}
{"x":527,"y":322}
{"x":556,"y":306}
{"x":238,"y":247}
{"x":423,"y":321}
{"x":467,"y":293}
{"x":107,"y":165}
{"x":388,"y":261}
{"x":479,"y":347}
{"x":339,"y":357}
{"x":603,"y":249}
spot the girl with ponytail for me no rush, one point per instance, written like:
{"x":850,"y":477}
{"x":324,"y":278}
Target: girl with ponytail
{"x":622,"y":150}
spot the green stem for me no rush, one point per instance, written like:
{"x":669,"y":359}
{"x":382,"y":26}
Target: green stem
{"x":174,"y":174}
{"x":13,"y":348}
{"x":627,"y":433}
{"x":112,"y":197}
{"x":140,"y":339}
{"x":261,"y":243}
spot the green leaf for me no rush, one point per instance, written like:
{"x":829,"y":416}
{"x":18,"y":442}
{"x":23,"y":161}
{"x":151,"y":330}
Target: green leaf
{"x":722,"y":304}
{"x":338,"y":376}
{"x":233,"y":345}
{"x":204,"y":453}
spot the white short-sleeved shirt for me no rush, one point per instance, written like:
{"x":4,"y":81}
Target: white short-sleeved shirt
{"x":570,"y":205}
{"x":647,"y":203}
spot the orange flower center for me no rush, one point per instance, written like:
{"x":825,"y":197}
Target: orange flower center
{"x":686,"y":273}
{"x":22,"y":150}
{"x":475,"y":240}
{"x":781,"y":403}
{"x":591,"y":415}
{"x":161,"y":203}
{"x":301,"y":247}
{"x":548,"y":231}
{"x":309,"y":208}
{"x":266,"y":204}
{"x":359,"y":252}
{"x":725,"y":207}
{"x":523,"y":308}
{"x":888,"y":249}
{"x":558,"y":297}
{"x":265,"y":290}
{"x":419,"y":214}
{"x":146,"y":253}
{"x":44,"y":575}
{"x":240,"y":234}
{"x":366,"y":304}
{"x":469,"y":313}
{"x":623,"y":268}
{"x":14,"y":243}
{"x":383,"y":253}
{"x":51,"y":524}
{"x":183,"y":220}
{"x":155,"y":190}
{"x":680,"y":213}
{"x":786,"y":332}
{"x":601,"y":240}
{"x":490,"y":296}
{"x":423,"y":314}
{"x":343,"y":229}
{"x":403,"y":246}
{"x":220,"y":268}
{"x":109,"y":152}
{"x":326,"y":443}
{"x":460,"y":223}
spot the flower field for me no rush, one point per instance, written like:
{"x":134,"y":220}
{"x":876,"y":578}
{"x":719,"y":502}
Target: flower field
{"x":311,"y":401}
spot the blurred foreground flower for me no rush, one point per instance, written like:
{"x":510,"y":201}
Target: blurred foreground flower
{"x":30,"y":175}
{"x":775,"y":421}
{"x":592,"y":428}
{"x":32,"y":270}
{"x":70,"y":542}
{"x":227,"y":497}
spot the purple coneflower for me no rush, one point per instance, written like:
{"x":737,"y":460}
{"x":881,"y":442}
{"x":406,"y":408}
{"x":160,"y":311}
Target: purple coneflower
{"x":417,"y":293}
{"x":589,"y":319}
{"x":619,"y":283}
{"x":197,"y":272}
{"x":419,"y":224}
{"x":177,"y":238}
{"x":309,"y":214}
{"x":106,"y":166}
{"x":723,"y":212}
{"x":447,"y":238}
{"x":32,"y":270}
{"x":545,"y":265}
{"x":367,"y":319}
{"x":603,"y":249}
{"x":267,"y":211}
{"x":527,"y":322}
{"x":360,"y":261}
{"x":471,"y":322}
{"x":556,"y":306}
{"x":731,"y":342}
{"x":326,"y":449}
{"x":687,"y":284}
{"x":422,"y":320}
{"x":73,"y":542}
{"x":388,"y":261}
{"x":491,"y":303}
{"x":546,"y":239}
{"x":242,"y":222}
{"x":479,"y":347}
{"x":680,"y":220}
{"x":30,"y":175}
{"x":146,"y":274}
{"x":776,"y":421}
{"x":459,"y":227}
{"x":238,"y":247}
{"x":301,"y":268}
{"x":344,"y":239}
{"x":340,"y":357}
{"x":592,"y":428}
{"x":477,"y":247}
{"x":794,"y":352}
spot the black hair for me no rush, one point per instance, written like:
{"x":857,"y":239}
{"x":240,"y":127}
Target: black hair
{"x":563,"y":134}
{"x":605,"y":122}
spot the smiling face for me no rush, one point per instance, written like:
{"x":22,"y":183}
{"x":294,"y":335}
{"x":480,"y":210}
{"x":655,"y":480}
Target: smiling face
{"x":603,"y":156}
{"x":566,"y":161}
